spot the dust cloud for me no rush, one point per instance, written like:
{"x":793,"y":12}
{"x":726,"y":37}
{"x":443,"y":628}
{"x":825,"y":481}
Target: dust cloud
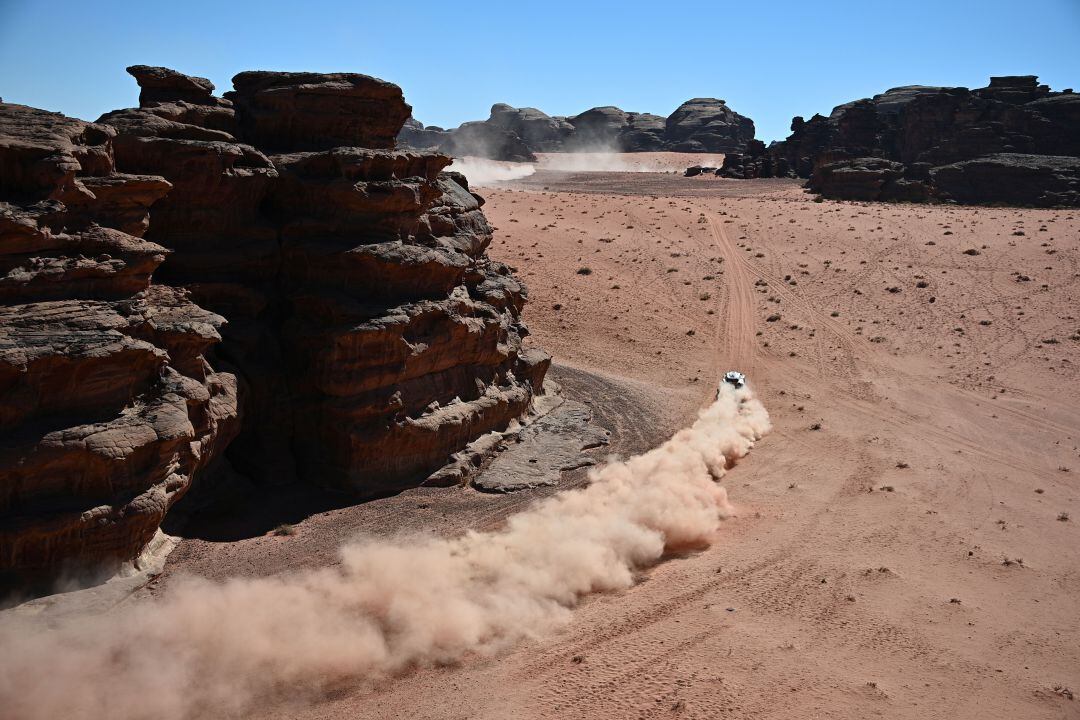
{"x":482,"y":171}
{"x":608,"y":160}
{"x":220,"y":649}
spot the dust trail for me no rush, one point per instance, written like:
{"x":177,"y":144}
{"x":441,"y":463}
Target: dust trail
{"x":600,"y":159}
{"x":481,"y":171}
{"x":216,"y":650}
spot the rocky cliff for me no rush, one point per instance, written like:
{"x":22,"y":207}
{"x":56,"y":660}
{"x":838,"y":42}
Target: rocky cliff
{"x":921,"y":143}
{"x":515,"y":134}
{"x":257,"y":282}
{"x":109,"y":407}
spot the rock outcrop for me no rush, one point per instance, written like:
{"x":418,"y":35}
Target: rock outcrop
{"x":481,"y":139}
{"x":514,"y":134}
{"x":293,"y":111}
{"x":109,"y":404}
{"x":896,"y":146}
{"x":256,"y":283}
{"x":537,"y":130}
{"x":1011,"y":178}
{"x":866,"y":178}
{"x":707,"y":125}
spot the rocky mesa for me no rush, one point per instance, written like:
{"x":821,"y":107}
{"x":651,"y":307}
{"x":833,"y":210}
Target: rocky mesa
{"x":255,"y":283}
{"x":1014,"y":141}
{"x":700,"y":125}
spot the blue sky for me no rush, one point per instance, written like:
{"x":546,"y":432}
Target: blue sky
{"x":769,"y":60}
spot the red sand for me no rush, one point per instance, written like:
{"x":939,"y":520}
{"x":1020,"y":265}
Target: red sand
{"x":906,"y":559}
{"x":904,"y":546}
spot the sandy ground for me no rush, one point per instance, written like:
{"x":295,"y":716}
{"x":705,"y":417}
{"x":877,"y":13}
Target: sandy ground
{"x":906,"y":544}
{"x":900,"y":550}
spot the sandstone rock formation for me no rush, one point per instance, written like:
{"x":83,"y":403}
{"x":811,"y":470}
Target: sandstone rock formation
{"x":509,"y":133}
{"x":539,"y":131}
{"x":866,"y":178}
{"x":109,"y":407}
{"x":1040,"y":180}
{"x":368,"y":336}
{"x":707,"y":125}
{"x":481,"y":139}
{"x":896,"y":145}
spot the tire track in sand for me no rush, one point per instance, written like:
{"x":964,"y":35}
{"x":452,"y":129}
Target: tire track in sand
{"x":736,"y":327}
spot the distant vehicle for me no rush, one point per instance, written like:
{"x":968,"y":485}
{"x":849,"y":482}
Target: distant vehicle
{"x":735,"y":378}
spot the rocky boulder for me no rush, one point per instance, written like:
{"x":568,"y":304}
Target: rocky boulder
{"x":163,"y":84}
{"x":291,"y":111}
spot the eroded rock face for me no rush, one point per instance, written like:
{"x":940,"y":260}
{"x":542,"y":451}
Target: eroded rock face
{"x":372,"y":336}
{"x":866,"y":178}
{"x":539,"y":131}
{"x":109,"y":407}
{"x":514,"y":134}
{"x":287,"y":111}
{"x":708,"y":125}
{"x":259,"y":283}
{"x":922,"y":130}
{"x":482,"y":139}
{"x":1039,"y":180}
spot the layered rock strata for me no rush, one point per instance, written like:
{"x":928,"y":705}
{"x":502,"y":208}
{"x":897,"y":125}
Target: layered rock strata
{"x":372,"y":335}
{"x":921,"y":143}
{"x":368,"y":335}
{"x":109,"y":407}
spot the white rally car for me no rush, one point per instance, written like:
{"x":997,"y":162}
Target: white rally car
{"x":735,"y":378}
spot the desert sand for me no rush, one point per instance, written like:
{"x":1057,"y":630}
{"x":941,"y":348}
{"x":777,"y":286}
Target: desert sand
{"x":905,"y":541}
{"x":901,"y":548}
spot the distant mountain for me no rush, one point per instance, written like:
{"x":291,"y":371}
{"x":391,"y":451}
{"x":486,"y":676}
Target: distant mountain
{"x":509,"y":133}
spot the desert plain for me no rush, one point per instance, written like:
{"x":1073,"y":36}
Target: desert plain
{"x":905,"y":540}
